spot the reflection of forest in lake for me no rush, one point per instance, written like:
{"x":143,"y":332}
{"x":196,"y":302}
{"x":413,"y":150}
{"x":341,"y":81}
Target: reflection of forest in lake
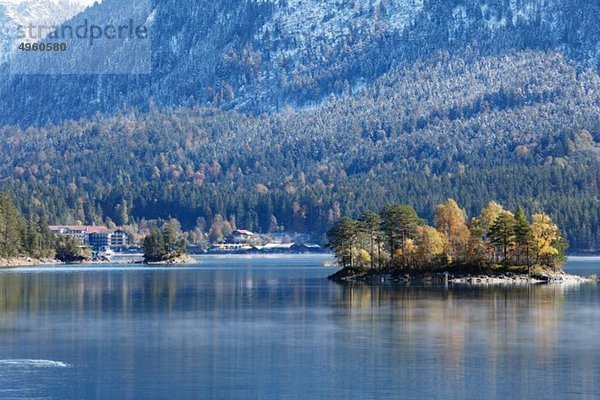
{"x":193,"y":330}
{"x":146,"y":290}
{"x":503,"y":331}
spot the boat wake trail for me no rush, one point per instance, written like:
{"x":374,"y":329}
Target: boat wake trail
{"x":34,"y":363}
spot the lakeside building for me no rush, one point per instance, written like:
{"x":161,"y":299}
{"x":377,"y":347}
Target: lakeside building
{"x":114,"y":239}
{"x":230,"y":248}
{"x":97,"y":237}
{"x":81,"y":233}
{"x":245,"y":241}
{"x":307,"y":248}
{"x":274,"y":248}
{"x":270,"y":248}
{"x":119,"y":239}
{"x":292,"y":248}
{"x":244,"y":236}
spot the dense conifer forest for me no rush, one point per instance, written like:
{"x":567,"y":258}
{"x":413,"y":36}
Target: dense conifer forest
{"x":522,"y":128}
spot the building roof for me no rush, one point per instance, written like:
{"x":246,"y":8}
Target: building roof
{"x":89,"y":229}
{"x":227,"y":246}
{"x":309,"y":245}
{"x":243,"y":232}
{"x":103,"y":232}
{"x":275,"y":246}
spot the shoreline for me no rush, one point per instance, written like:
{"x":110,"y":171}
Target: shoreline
{"x":27,"y":262}
{"x":181,"y":260}
{"x":366,"y":276}
{"x":521,"y":279}
{"x":386,"y":277}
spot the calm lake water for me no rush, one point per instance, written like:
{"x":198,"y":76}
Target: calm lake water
{"x":242,"y":328}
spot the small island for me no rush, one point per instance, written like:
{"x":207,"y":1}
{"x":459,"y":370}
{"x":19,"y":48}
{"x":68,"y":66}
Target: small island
{"x":166,"y":245}
{"x":497,"y":246}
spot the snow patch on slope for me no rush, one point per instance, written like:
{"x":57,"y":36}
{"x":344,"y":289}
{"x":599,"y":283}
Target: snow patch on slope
{"x":318,"y":23}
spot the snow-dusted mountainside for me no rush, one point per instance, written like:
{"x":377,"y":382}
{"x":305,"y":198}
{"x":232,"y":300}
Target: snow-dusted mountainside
{"x":318,"y":23}
{"x":40,"y":11}
{"x":265,"y":55}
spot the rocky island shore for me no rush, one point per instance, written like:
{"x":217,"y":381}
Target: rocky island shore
{"x":179,"y":260}
{"x":390,"y":277}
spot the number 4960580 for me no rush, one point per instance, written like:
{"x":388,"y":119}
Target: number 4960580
{"x":24,"y":46}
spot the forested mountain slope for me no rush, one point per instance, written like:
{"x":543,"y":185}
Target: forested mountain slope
{"x":257,"y":56}
{"x":521,"y":128}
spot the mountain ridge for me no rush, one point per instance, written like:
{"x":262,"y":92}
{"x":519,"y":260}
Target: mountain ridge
{"x":263,"y":56}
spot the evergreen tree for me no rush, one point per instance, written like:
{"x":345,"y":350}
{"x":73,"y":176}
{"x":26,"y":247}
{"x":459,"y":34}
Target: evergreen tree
{"x":10,"y":228}
{"x":502,"y":233}
{"x":523,"y":237}
{"x":68,"y":250}
{"x":399,"y":223}
{"x":369,"y":224}
{"x":33,"y":239}
{"x":342,"y":239}
{"x":155,"y":249}
{"x":47,"y":239}
{"x":173,"y":238}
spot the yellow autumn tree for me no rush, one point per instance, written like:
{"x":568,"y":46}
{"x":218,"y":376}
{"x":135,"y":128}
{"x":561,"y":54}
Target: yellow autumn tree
{"x":430,"y":246}
{"x":451,"y":221}
{"x":406,"y":255}
{"x":489,"y":215}
{"x":362,"y":257}
{"x":544,"y":233}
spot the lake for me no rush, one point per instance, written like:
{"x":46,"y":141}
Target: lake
{"x":275,"y":328}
